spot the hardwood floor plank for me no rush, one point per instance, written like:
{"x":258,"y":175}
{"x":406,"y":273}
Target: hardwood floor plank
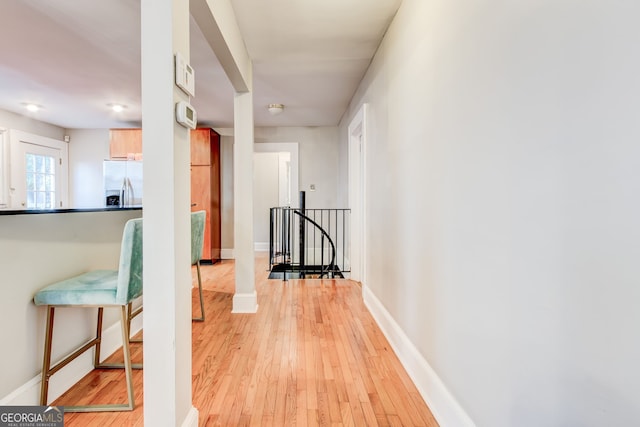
{"x":311,"y":356}
{"x":334,"y":402}
{"x":369,"y":414}
{"x":312,"y":418}
{"x":301,"y":408}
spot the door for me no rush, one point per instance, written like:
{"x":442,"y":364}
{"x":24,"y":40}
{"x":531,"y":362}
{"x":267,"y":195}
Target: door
{"x":205,"y":188}
{"x":38,"y":172}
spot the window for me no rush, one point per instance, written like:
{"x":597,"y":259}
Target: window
{"x":41,"y":181}
{"x":38,"y":172}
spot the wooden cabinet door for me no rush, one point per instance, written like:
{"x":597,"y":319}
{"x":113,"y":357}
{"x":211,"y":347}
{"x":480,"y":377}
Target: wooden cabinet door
{"x":200,"y":147}
{"x":205,"y":188}
{"x":201,"y":200}
{"x":216,"y":199}
{"x":124,"y":142}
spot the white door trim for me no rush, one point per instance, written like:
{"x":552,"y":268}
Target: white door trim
{"x":358,"y":193}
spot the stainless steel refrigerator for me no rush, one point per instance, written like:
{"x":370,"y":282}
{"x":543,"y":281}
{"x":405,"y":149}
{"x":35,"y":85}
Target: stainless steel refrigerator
{"x":122,"y":183}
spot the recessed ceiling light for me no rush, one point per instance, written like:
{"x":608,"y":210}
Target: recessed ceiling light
{"x":33,"y":107}
{"x":118,"y":108}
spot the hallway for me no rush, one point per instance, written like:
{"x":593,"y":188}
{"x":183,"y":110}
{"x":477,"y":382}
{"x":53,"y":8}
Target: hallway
{"x":312,"y":355}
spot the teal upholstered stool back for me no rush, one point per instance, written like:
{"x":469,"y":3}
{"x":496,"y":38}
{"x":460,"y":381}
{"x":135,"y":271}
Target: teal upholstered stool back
{"x":130,"y":268}
{"x":197,"y":235}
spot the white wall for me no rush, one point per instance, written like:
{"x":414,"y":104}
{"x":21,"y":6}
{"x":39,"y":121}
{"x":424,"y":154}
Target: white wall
{"x":504,"y":175}
{"x":88,"y":148}
{"x":30,"y":124}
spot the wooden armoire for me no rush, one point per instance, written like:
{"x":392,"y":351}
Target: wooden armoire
{"x":205,"y":188}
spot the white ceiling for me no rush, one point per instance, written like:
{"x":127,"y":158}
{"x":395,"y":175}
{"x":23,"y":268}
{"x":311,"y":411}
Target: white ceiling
{"x":73,"y":57}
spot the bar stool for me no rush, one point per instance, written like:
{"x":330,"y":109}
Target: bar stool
{"x":197,"y":240}
{"x":98,"y":289}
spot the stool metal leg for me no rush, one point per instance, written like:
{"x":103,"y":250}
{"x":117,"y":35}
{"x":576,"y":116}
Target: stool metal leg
{"x":133,"y":314}
{"x":96,"y":354}
{"x":46,"y":362}
{"x":201,"y":318}
{"x":127,"y":357}
{"x":127,"y":323}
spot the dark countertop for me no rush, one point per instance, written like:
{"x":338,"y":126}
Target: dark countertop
{"x":57,"y":211}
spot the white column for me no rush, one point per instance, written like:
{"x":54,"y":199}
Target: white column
{"x":245,"y":299}
{"x":167,"y":271}
{"x":221,"y":31}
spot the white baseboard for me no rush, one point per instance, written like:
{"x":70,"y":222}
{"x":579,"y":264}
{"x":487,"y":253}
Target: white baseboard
{"x":192,"y":418}
{"x":245,"y":303}
{"x":65,"y":378}
{"x":261,"y":246}
{"x":443,"y":405}
{"x":27,"y":394}
{"x":226,"y":254}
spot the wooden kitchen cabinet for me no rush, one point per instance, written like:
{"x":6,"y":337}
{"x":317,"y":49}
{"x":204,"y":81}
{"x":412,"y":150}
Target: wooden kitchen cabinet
{"x":201,"y":147}
{"x":205,"y":187}
{"x":124,"y":143}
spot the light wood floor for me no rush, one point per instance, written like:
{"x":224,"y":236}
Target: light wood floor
{"x":312,"y":355}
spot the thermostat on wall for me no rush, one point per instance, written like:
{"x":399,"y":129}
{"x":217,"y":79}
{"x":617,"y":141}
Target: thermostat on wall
{"x":186,"y":115}
{"x":185,"y":76}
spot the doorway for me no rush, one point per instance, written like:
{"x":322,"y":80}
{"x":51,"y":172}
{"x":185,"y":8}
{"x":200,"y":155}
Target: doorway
{"x":275,"y":183}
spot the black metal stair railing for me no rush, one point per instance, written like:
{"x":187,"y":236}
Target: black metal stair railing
{"x":322,"y":249}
